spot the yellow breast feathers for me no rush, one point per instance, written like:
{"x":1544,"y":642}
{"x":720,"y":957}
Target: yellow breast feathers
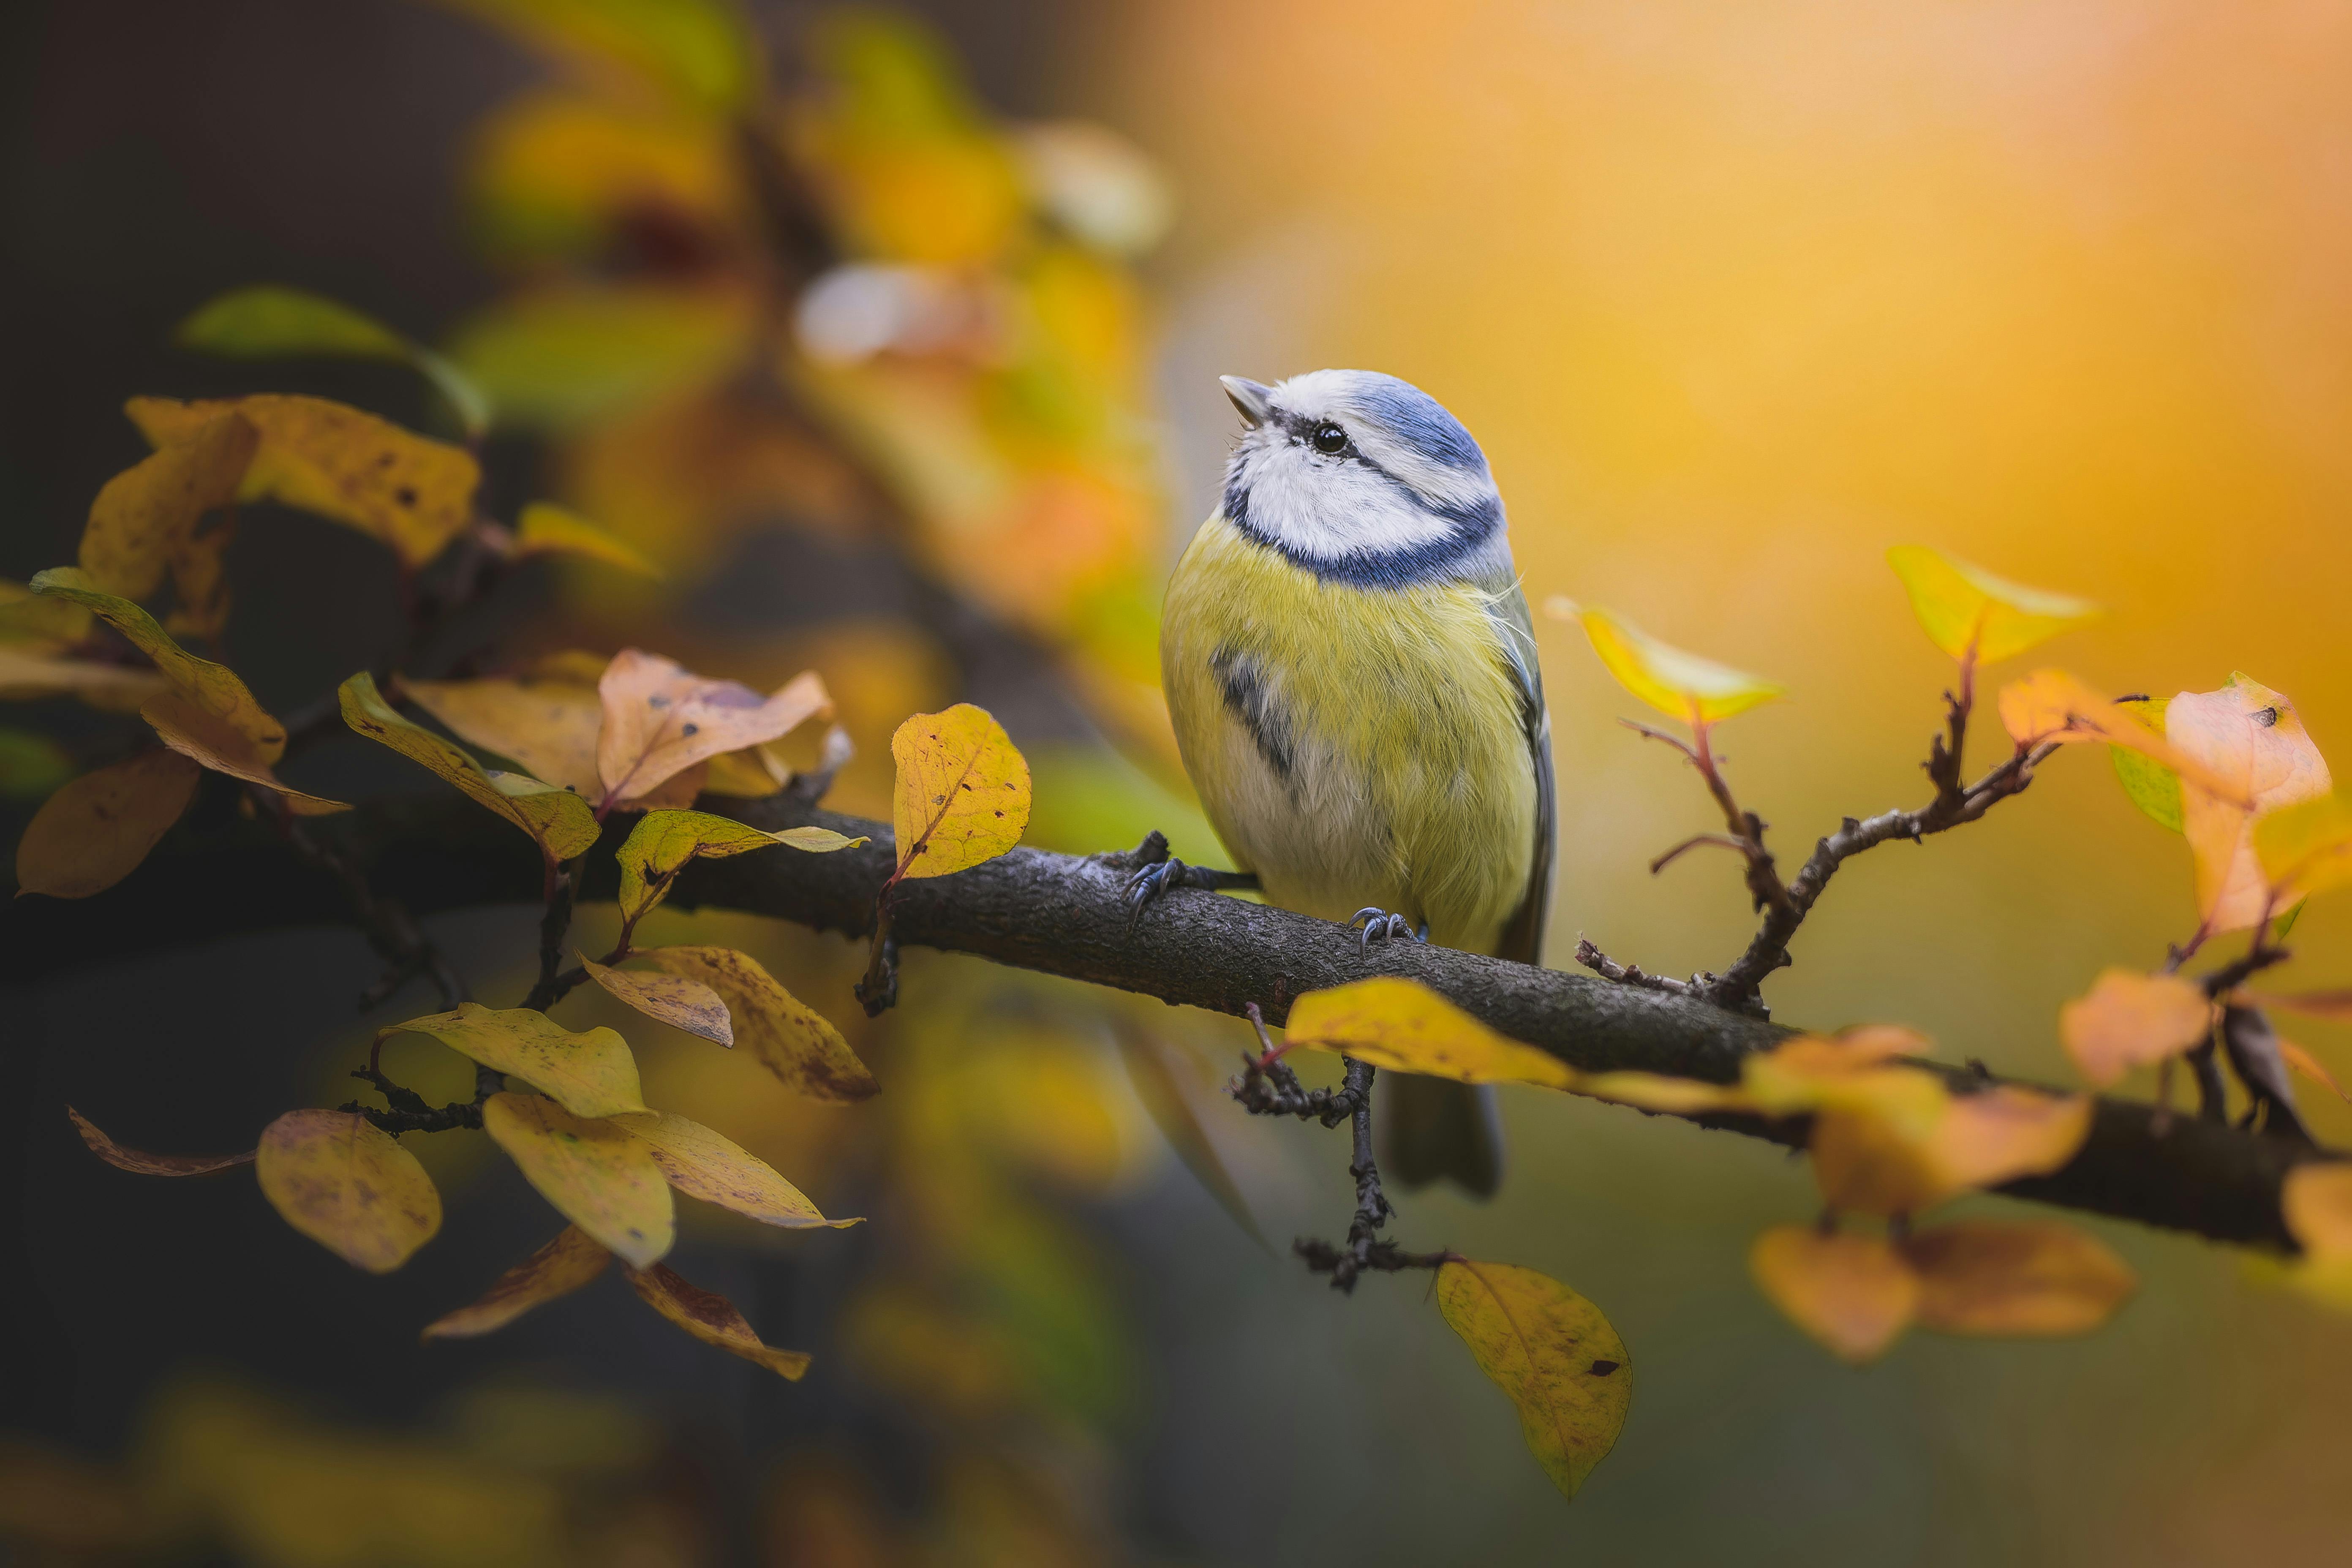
{"x":1353,"y":746}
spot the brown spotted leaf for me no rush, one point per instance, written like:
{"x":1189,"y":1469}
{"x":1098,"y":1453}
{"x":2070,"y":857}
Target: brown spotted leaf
{"x":671,"y":999}
{"x":95,"y":829}
{"x":962,"y":792}
{"x":147,"y":515}
{"x":660,"y":719}
{"x":2015,"y":1278}
{"x":662,"y":843}
{"x":792,"y":1039}
{"x":591,"y":1073}
{"x":561,"y":1266}
{"x":147,"y":1164}
{"x":595,"y":1173}
{"x":414,"y":494}
{"x":709,"y":1165}
{"x":713,"y":1320}
{"x":348,"y":1185}
{"x":1553,"y":1351}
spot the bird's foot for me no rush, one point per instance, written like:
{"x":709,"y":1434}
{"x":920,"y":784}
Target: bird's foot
{"x":1378,"y":922}
{"x":1161,"y":871}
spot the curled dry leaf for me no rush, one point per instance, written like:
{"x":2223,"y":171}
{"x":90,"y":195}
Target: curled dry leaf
{"x":962,"y":791}
{"x":95,"y":829}
{"x":546,"y":529}
{"x":1970,"y":614}
{"x":1679,"y":684}
{"x":662,"y":843}
{"x":709,"y":1165}
{"x":659,"y":719}
{"x":414,"y":494}
{"x":671,"y":999}
{"x":590,"y":1074}
{"x":147,"y":1164}
{"x":595,"y":1173}
{"x":348,"y":1185}
{"x":559,"y":822}
{"x":147,"y":515}
{"x":792,"y":1039}
{"x":1853,"y":1293}
{"x":561,"y":1266}
{"x":1553,"y":1351}
{"x":1402,"y":1025}
{"x":2016,"y":1278}
{"x":712,"y":1319}
{"x":2251,"y":739}
{"x":2130,"y":1020}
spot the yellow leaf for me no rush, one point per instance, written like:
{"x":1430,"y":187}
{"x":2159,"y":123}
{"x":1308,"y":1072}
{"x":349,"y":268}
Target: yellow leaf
{"x":2316,"y":1201}
{"x":560,"y":1267}
{"x":1656,"y":1091}
{"x":554,"y":171}
{"x":2025,"y":1277}
{"x":147,"y":514}
{"x":1870,"y":1163}
{"x":792,"y":1039}
{"x":220,"y":745}
{"x":1553,"y":1351}
{"x":1853,"y":1293}
{"x":2305,"y":850}
{"x":547,"y":723}
{"x":597,"y":1175}
{"x":662,"y":843}
{"x":546,"y":529}
{"x":25,"y":675}
{"x":561,"y":823}
{"x":147,"y":1164}
{"x":2130,"y":1020}
{"x":713,"y":1320}
{"x":590,"y":1074}
{"x":1966,"y":610}
{"x":705,"y":1164}
{"x":753,"y":773}
{"x":659,"y":719}
{"x":95,"y":830}
{"x":962,"y":794}
{"x":1402,"y":1025}
{"x":213,"y":688}
{"x":1850,"y":1071}
{"x":2310,"y":1066}
{"x":671,"y":999}
{"x":414,"y":494}
{"x":348,"y":1185}
{"x":1679,"y":684}
{"x":2253,"y":741}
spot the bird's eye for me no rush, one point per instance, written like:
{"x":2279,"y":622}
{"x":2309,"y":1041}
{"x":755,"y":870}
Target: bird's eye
{"x":1329,"y":437}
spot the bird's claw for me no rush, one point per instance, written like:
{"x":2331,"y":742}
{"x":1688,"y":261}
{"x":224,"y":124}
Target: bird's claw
{"x":1151,"y":881}
{"x":1378,"y":922}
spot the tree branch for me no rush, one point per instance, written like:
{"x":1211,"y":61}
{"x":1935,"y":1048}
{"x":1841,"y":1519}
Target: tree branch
{"x":1065,"y":915}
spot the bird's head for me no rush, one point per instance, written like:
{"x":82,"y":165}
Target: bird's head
{"x":1357,"y":475}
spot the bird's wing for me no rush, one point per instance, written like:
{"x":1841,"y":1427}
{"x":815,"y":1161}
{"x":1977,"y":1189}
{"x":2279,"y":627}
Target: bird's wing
{"x":1523,"y":938}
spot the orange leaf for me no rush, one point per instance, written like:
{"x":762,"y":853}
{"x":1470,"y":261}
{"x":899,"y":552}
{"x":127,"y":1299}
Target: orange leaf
{"x":713,"y":1320}
{"x":2317,"y":1203}
{"x":560,"y":1267}
{"x":1869,"y":1163}
{"x":2130,"y":1020}
{"x":2332,"y":1005}
{"x":659,"y":719}
{"x":2051,"y":705}
{"x":2034,"y":1277}
{"x":2250,"y":739}
{"x":147,"y":1164}
{"x":1853,"y":1293}
{"x":2309,"y":1066}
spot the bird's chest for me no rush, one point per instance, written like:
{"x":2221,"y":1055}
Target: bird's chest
{"x":1352,"y":745}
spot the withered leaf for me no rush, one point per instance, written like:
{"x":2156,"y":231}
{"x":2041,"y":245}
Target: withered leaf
{"x":709,"y":1165}
{"x":147,"y":1164}
{"x":660,"y":719}
{"x":561,"y":1266}
{"x":147,"y":514}
{"x":671,"y":999}
{"x":792,"y":1039}
{"x":713,"y":1320}
{"x":348,"y":1185}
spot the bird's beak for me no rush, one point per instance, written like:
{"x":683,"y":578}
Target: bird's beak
{"x":1252,"y":401}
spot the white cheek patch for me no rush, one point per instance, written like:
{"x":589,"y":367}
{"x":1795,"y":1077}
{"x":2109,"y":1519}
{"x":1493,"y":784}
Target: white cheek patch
{"x":1328,"y":510}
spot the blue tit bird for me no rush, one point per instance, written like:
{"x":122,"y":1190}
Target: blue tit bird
{"x":1352,"y":670}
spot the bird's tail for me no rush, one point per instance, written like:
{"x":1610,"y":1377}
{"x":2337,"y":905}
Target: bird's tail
{"x":1431,"y":1128}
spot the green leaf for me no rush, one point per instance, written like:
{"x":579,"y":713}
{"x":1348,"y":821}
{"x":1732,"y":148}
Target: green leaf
{"x":31,"y":765}
{"x":565,"y":357}
{"x":269,"y":321}
{"x":2152,"y":786}
{"x":1553,"y":1351}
